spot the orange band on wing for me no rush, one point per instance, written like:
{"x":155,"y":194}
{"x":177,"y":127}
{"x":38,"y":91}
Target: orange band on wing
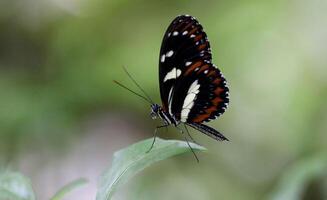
{"x":216,"y":101}
{"x":186,"y":27}
{"x":216,"y":81}
{"x":192,"y":67}
{"x":193,"y":30}
{"x":200,"y":118}
{"x":209,"y":111}
{"x":211,"y":73}
{"x":218,"y":90}
{"x":204,"y":67}
{"x":197,"y":38}
{"x":202,"y":46}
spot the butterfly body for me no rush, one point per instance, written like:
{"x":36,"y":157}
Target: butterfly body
{"x":158,"y":112}
{"x":193,"y":90}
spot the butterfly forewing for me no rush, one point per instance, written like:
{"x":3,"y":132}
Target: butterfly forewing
{"x":192,"y":89}
{"x":178,"y":49}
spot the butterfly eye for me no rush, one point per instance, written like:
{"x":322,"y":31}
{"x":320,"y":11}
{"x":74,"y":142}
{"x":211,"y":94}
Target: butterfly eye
{"x":153,"y":115}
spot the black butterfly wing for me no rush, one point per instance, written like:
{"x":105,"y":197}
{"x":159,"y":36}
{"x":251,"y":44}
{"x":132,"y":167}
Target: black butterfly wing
{"x":192,"y":89}
{"x":177,"y":49}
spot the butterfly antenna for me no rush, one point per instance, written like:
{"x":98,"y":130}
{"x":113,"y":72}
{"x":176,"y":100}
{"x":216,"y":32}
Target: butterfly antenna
{"x":130,"y":76}
{"x":126,"y":88}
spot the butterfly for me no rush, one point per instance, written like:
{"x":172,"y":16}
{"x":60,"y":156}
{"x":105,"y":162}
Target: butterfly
{"x":193,"y":90}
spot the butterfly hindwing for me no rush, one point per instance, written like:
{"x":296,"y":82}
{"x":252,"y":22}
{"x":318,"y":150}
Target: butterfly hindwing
{"x":192,"y":88}
{"x":212,"y":97}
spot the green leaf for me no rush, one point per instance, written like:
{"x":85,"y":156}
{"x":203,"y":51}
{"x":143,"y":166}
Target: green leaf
{"x":295,"y":179}
{"x":133,"y":159}
{"x":15,"y":186}
{"x":68,"y":188}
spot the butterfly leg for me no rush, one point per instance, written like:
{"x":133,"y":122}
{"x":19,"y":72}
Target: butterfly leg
{"x":182,"y":132}
{"x":188,"y":133}
{"x":155,"y":135}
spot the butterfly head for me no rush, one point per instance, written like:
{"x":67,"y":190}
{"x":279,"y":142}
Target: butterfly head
{"x":155,"y":109}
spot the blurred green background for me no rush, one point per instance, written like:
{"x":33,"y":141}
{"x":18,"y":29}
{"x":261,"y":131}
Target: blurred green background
{"x":62,"y":117}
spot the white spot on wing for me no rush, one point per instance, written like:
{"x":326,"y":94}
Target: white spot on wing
{"x":170,"y":53}
{"x":192,"y":36}
{"x":163,"y":58}
{"x":170,"y":101}
{"x":173,"y":74}
{"x":185,"y":32}
{"x":189,"y":100}
{"x":194,"y":88}
{"x":184,"y":113}
{"x":188,"y":63}
{"x":175,"y":33}
{"x":206,"y":71}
